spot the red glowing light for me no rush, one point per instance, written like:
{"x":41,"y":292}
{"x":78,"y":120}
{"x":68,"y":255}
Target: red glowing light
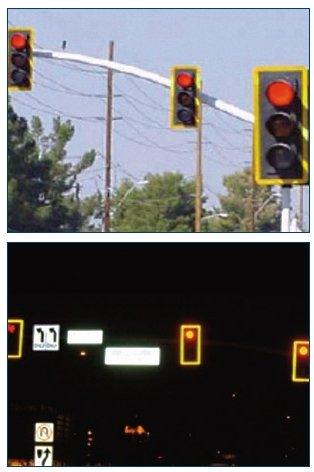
{"x":303,"y":351}
{"x":189,"y":334}
{"x":280,"y":93}
{"x":11,"y":328}
{"x":185,"y":79}
{"x":18,"y":41}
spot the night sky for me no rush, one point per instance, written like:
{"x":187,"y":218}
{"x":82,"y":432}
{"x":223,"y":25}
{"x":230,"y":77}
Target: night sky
{"x":252,"y":301}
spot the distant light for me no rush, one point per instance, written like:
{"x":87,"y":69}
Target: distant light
{"x":189,"y":334}
{"x":88,"y":336}
{"x":83,"y":353}
{"x":132,"y":356}
{"x":11,"y":328}
{"x":233,"y":395}
{"x":303,"y":351}
{"x":89,"y":432}
{"x":288,"y":417}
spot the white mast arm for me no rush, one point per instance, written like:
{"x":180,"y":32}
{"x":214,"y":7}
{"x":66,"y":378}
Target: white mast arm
{"x":145,"y":75}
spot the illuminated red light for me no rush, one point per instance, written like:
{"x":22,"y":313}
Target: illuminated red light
{"x":18,"y":41}
{"x":185,"y":80}
{"x":303,"y":351}
{"x":190,"y":334}
{"x":280,"y":93}
{"x":11,"y":328}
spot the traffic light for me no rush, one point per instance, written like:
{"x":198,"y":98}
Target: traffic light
{"x":20,"y":59}
{"x":280,"y":134}
{"x":301,"y":361}
{"x":190,"y":345}
{"x":185,"y":100}
{"x":15,"y":338}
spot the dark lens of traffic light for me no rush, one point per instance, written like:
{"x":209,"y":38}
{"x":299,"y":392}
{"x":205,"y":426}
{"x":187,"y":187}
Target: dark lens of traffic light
{"x":20,"y":60}
{"x":186,"y":116}
{"x":281,"y":156}
{"x":281,"y":125}
{"x":185,"y":99}
{"x":19,"y":77}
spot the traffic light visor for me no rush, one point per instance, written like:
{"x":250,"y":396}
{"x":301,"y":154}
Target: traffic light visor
{"x":280,"y":93}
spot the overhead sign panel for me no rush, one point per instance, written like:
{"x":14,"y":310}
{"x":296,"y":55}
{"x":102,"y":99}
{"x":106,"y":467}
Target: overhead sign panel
{"x":46,"y":337}
{"x":43,"y":456}
{"x":44,"y":432}
{"x":88,"y":336}
{"x":132,"y":356}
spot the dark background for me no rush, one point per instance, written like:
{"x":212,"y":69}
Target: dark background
{"x":252,"y":301}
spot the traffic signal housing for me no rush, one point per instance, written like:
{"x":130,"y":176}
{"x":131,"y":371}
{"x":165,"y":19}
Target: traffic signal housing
{"x":15,"y":338}
{"x":185,"y":100}
{"x":301,"y":361}
{"x":20,"y":59}
{"x":280,"y":133}
{"x":190,"y":345}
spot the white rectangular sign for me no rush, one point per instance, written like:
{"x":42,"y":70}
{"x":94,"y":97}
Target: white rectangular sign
{"x":132,"y":356}
{"x":88,"y":336}
{"x":44,"y":432}
{"x":43,"y":456}
{"x":46,"y":337}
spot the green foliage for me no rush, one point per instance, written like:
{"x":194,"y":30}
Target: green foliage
{"x":165,"y":203}
{"x":235,"y":213}
{"x":43,"y":192}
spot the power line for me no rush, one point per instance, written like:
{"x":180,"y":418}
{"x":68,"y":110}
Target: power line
{"x":55,"y":112}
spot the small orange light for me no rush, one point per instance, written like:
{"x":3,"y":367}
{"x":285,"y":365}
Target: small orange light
{"x":189,"y":334}
{"x":303,"y":351}
{"x":83,"y":353}
{"x":280,"y":93}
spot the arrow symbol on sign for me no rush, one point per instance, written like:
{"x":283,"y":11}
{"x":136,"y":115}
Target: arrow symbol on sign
{"x":40,"y":331}
{"x":52,"y":330}
{"x":47,"y":452}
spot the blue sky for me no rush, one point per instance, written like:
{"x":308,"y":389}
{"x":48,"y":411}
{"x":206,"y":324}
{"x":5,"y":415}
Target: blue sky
{"x":226,"y":43}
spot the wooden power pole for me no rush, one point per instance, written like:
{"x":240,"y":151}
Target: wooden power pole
{"x":198,"y":177}
{"x":107,"y":205}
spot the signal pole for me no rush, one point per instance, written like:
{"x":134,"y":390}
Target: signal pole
{"x":285,"y":212}
{"x":198,"y":176}
{"x":301,"y":208}
{"x":107,"y":203}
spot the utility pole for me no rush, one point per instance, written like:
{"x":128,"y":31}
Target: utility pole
{"x":285,"y":211}
{"x":252,"y":203}
{"x":107,"y":206}
{"x":198,"y":176}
